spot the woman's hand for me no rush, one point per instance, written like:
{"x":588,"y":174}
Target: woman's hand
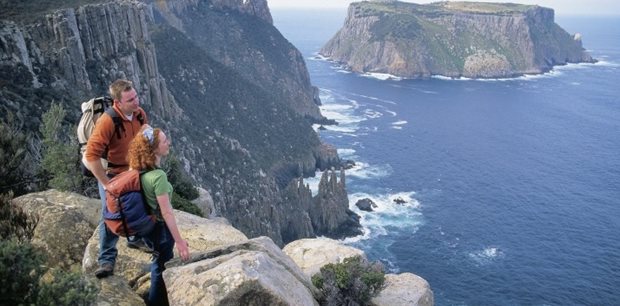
{"x":183,"y":248}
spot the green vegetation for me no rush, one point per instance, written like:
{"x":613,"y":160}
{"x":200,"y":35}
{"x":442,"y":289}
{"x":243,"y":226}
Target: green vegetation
{"x":353,"y":282}
{"x":183,"y":186}
{"x":22,"y":266}
{"x":180,"y":203}
{"x":15,"y":224}
{"x":181,"y":182}
{"x":437,"y":9}
{"x":20,"y":270}
{"x":14,"y":156}
{"x":484,"y":8}
{"x":66,"y":288}
{"x":60,"y":161}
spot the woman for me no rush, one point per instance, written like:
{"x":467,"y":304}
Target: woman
{"x":145,"y":153}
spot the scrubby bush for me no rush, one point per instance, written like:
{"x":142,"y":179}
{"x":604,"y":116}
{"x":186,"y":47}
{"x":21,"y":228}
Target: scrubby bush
{"x":179,"y":179}
{"x":22,"y":266}
{"x":14,"y":158}
{"x":14,"y":222}
{"x":20,"y":270}
{"x":66,"y":288}
{"x":352,"y":282}
{"x":180,"y":203}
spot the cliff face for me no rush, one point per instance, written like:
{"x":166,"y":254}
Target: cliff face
{"x":476,"y":40}
{"x":251,"y":46}
{"x":239,"y":138}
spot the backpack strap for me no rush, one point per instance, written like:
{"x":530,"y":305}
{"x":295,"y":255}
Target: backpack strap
{"x":140,"y":118}
{"x":118,"y":122}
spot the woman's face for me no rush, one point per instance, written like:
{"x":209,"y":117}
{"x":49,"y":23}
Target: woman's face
{"x":164,"y":145}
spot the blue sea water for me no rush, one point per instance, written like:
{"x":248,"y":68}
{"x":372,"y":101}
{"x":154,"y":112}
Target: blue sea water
{"x":512,"y":186}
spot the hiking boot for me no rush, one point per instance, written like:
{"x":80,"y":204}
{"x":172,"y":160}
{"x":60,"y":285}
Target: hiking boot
{"x":104,"y":270}
{"x":139,"y":244}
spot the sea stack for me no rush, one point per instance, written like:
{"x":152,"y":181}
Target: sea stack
{"x":453,"y":39}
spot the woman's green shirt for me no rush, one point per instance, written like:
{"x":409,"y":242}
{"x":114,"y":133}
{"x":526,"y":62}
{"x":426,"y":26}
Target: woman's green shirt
{"x":155,"y":183}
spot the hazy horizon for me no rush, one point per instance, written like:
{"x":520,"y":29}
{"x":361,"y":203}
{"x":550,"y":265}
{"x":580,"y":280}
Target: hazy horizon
{"x":567,"y":7}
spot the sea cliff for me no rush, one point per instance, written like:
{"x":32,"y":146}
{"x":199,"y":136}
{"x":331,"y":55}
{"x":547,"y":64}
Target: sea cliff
{"x":453,"y":39}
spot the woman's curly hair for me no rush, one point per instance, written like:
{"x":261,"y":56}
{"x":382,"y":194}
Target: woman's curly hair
{"x":141,"y":154}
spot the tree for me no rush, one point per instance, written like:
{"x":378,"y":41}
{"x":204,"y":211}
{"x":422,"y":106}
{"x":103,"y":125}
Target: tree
{"x":179,"y":179}
{"x":14,"y":158}
{"x":60,"y":161}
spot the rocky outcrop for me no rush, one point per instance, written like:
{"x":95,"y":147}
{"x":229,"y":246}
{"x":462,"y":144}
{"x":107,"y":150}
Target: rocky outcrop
{"x":251,"y":272}
{"x":59,"y":214}
{"x":312,"y":254}
{"x":330,"y":213}
{"x":225,"y":267}
{"x":366,"y":204}
{"x":201,"y":234}
{"x":404,"y":289}
{"x":399,"y":289}
{"x":326,"y":214}
{"x":115,"y":290}
{"x":234,"y":94}
{"x":455,"y":39}
{"x":204,"y":202}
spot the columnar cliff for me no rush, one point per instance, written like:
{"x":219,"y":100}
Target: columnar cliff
{"x":232,"y":91}
{"x":455,"y":39}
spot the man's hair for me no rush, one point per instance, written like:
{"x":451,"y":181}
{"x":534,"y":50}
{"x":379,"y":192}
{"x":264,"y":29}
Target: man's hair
{"x":141,"y":154}
{"x":118,"y":87}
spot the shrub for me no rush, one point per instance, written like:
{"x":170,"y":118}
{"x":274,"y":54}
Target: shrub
{"x":179,"y":179}
{"x":14,"y":222}
{"x":352,"y":282}
{"x":14,"y":155}
{"x":20,"y":270}
{"x":180,"y":203}
{"x":66,"y":288}
{"x":22,"y":266}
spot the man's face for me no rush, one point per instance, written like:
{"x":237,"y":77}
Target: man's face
{"x":129,"y":102}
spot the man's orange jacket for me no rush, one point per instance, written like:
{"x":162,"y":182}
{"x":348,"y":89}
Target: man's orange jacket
{"x":104,"y":136}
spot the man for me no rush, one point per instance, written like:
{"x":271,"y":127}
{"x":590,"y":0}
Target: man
{"x":113,"y":139}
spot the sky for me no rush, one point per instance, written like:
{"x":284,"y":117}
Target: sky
{"x":561,"y":7}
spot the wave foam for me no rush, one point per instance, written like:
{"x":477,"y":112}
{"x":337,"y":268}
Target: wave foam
{"x":486,"y":255}
{"x":363,"y":170}
{"x":387,"y":215}
{"x":372,"y":114}
{"x":554,"y":72}
{"x":606,"y":64}
{"x":346,"y":152}
{"x":381,"y":76}
{"x":319,"y":57}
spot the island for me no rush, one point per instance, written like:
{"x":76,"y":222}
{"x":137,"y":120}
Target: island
{"x":452,"y":39}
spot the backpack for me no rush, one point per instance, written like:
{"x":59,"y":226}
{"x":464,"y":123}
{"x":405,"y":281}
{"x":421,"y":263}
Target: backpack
{"x":126,"y":212}
{"x":91,"y":112}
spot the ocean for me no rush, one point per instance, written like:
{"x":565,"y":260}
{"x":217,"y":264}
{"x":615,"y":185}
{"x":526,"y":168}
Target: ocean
{"x":512,"y":187}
